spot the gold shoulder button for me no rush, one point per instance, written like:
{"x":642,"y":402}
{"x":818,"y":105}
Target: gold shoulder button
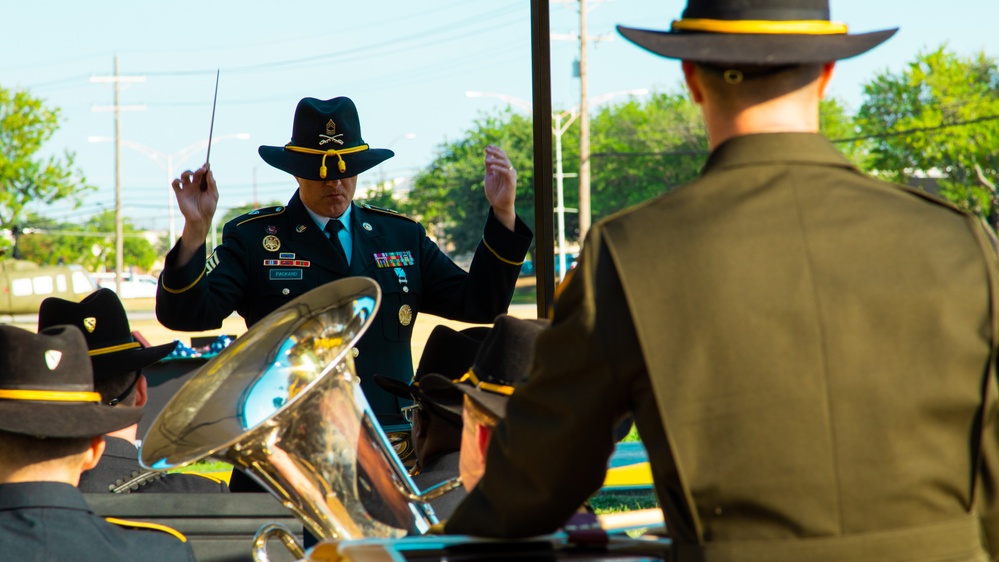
{"x":147,"y":526}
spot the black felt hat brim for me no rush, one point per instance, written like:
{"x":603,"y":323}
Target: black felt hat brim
{"x":396,"y":387}
{"x":448,"y":395}
{"x":306,"y":166}
{"x":121,"y":362}
{"x":51,"y":419}
{"x":769,"y":49}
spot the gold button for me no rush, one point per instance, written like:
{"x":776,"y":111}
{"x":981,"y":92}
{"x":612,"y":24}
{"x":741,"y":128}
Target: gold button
{"x":285,"y":291}
{"x":354,"y":352}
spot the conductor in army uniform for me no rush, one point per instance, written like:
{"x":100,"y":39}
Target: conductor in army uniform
{"x":270,"y":256}
{"x":809,"y":353}
{"x":51,"y":429}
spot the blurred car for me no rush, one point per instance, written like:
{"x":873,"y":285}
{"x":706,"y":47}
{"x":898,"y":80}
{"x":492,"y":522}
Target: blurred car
{"x":133,"y":285}
{"x":527,"y":268}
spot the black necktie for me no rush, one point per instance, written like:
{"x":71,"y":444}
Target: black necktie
{"x":333,"y":227}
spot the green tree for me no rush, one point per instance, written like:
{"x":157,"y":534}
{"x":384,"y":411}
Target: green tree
{"x":448,"y":196}
{"x":640,"y":149}
{"x":841,"y":128}
{"x":91,"y":245}
{"x":940,"y":113}
{"x":26,"y":176}
{"x":382,"y":196}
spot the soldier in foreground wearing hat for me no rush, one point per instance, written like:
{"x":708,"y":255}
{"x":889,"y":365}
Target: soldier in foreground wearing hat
{"x":118,"y":359}
{"x":437,"y":431}
{"x":270,"y":256}
{"x":51,"y":428}
{"x":809,"y":353}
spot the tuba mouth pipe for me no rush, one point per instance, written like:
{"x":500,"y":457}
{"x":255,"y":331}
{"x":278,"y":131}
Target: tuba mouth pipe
{"x":283,"y":404}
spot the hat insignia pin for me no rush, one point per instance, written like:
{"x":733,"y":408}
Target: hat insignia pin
{"x":90,"y":324}
{"x":52,"y":358}
{"x":331,"y":134}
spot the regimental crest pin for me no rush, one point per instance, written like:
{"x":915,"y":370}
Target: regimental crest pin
{"x":271,"y":243}
{"x":89,"y":324}
{"x":52,"y":358}
{"x":271,"y":229}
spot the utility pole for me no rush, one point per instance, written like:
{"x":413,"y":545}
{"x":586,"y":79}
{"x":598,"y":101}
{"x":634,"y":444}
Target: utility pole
{"x":584,"y":117}
{"x":119,"y":235}
{"x":584,"y":131}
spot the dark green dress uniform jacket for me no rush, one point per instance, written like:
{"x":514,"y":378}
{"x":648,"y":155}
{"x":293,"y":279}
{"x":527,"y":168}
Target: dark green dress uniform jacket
{"x":238,"y":277}
{"x":50,"y":522}
{"x":804,"y":350}
{"x":120,"y":463}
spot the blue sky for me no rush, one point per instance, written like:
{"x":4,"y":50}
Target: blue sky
{"x":406,"y":64}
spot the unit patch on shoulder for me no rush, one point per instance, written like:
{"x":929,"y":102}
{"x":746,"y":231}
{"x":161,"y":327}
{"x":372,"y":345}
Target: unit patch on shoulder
{"x":211,"y":263}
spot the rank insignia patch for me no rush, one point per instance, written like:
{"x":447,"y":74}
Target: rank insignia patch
{"x":394,"y":259}
{"x":211,"y":263}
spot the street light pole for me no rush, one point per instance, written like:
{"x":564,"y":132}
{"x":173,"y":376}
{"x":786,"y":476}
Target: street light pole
{"x":168,"y":162}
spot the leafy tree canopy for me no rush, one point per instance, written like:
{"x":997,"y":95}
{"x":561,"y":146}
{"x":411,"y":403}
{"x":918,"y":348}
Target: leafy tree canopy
{"x":25,"y":176}
{"x":940,"y":114}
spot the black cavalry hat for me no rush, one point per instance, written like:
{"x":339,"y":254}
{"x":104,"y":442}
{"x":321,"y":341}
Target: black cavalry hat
{"x":756,"y":32}
{"x":102,"y":319}
{"x":447,"y":353}
{"x":326,"y":143}
{"x":47,"y":386}
{"x":503,"y":361}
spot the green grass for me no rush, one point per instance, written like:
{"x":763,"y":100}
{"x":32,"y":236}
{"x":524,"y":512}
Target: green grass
{"x":614,"y":502}
{"x":526,"y":294}
{"x":204,"y":466}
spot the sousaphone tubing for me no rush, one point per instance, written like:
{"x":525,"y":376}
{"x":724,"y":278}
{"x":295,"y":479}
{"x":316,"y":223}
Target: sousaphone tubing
{"x":283,"y":403}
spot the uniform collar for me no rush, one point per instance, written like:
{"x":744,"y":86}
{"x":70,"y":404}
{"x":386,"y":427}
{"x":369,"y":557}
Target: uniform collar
{"x":776,"y":148}
{"x":41,"y":494}
{"x":321,"y":220}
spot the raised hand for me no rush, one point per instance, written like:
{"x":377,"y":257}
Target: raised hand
{"x":501,"y":185}
{"x":198,"y":208}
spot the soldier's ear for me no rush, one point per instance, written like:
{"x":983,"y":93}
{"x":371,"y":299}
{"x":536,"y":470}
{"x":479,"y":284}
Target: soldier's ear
{"x":93,"y":454}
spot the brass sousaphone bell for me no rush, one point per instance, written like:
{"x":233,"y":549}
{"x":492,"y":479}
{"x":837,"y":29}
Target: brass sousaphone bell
{"x":283,"y":403}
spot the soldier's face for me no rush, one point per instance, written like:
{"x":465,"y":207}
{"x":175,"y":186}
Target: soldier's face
{"x":327,"y":198}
